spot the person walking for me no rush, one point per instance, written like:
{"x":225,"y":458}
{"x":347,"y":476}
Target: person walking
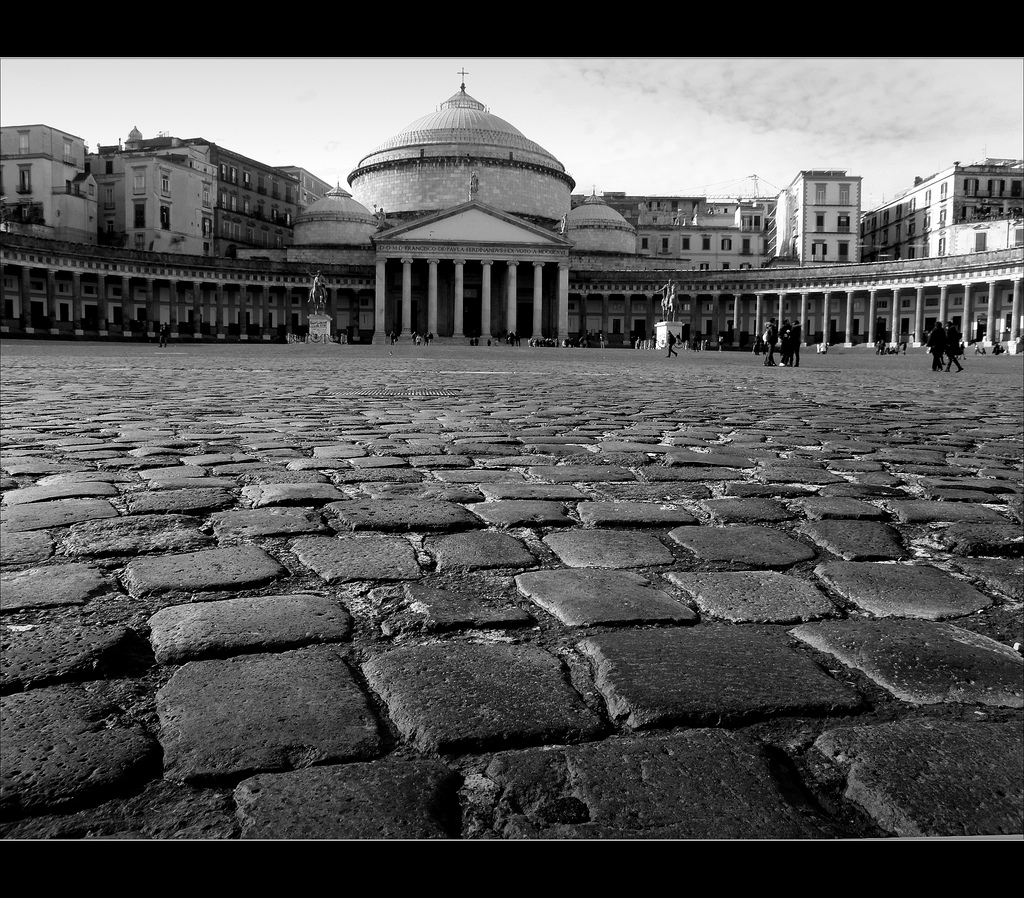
{"x":785,"y":343}
{"x":937,"y":345}
{"x":165,"y":330}
{"x":771,"y":337}
{"x":795,"y":337}
{"x":671,"y":341}
{"x":954,"y":348}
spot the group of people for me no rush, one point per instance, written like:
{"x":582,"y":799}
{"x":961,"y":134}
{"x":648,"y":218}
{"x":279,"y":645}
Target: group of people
{"x":945,"y":342}
{"x":418,"y":339}
{"x":786,"y":338}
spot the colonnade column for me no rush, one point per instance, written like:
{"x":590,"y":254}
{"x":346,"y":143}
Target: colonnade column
{"x":919,"y":317}
{"x":826,"y":316}
{"x":459,"y":287}
{"x":512,"y":319}
{"x":538,"y":299}
{"x":485,"y":298}
{"x":896,"y":334}
{"x":991,"y":334}
{"x":432,"y":296}
{"x":76,"y":302}
{"x":943,"y":303}
{"x":848,"y":333}
{"x":872,"y":314}
{"x":221,"y":312}
{"x":803,"y":318}
{"x":378,"y":303}
{"x":1015,"y":312}
{"x":563,"y":301}
{"x":967,"y":322}
{"x":152,"y":313}
{"x":263,"y":300}
{"x":758,"y":315}
{"x":51,"y":300}
{"x":406,"y":297}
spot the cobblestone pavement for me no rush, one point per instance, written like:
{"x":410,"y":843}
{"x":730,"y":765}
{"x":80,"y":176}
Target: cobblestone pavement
{"x":288,"y":592}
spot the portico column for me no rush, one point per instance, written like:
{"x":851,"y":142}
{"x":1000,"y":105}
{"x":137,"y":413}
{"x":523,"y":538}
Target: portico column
{"x":221,"y":300}
{"x":432,"y":296}
{"x":896,"y":334}
{"x":716,"y":312}
{"x":872,"y":312}
{"x":378,"y":303}
{"x":459,"y":286}
{"x":1015,"y":312}
{"x":261,"y":311}
{"x":826,"y":316}
{"x":849,"y":318}
{"x":563,"y":301}
{"x":943,"y":303}
{"x":76,"y":303}
{"x":485,"y":298}
{"x":152,"y":325}
{"x":992,"y":333}
{"x":406,"y":297}
{"x":538,"y":298}
{"x":51,"y":300}
{"x":758,"y":315}
{"x":197,"y":311}
{"x":919,"y":317}
{"x":967,"y":324}
{"x":513,"y":292}
{"x":803,"y":318}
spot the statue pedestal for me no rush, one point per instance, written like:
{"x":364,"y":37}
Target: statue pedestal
{"x":319,"y":329}
{"x":662,"y":329}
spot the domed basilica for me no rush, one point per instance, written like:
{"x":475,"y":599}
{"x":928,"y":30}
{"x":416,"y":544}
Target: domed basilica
{"x":470,"y":231}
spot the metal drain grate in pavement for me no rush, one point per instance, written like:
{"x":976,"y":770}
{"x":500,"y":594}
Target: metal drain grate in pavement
{"x":400,"y":394}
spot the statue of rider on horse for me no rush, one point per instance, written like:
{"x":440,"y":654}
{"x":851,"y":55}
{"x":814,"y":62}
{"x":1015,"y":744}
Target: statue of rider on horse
{"x":668,"y":301}
{"x":318,"y":294}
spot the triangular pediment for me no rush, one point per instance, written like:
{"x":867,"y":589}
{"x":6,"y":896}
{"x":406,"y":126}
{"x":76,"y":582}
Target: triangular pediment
{"x":474,"y":223}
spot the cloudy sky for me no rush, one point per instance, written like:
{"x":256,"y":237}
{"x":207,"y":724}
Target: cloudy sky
{"x":663,"y":125}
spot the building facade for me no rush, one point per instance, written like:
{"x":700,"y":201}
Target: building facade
{"x":816,"y":219}
{"x":44,"y":183}
{"x":964,"y":208}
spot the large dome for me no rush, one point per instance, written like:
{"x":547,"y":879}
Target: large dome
{"x":429,"y":166}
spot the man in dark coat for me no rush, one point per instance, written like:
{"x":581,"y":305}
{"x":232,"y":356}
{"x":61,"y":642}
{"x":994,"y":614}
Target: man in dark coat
{"x":937,"y":345}
{"x":771,"y":337}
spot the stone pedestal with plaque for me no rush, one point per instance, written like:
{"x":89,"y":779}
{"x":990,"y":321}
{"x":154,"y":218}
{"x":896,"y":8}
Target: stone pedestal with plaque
{"x":319,"y":329}
{"x":662,"y":329}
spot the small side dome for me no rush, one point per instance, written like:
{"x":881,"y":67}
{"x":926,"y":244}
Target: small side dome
{"x":135,"y":134}
{"x":336,"y":219}
{"x":594,"y":226}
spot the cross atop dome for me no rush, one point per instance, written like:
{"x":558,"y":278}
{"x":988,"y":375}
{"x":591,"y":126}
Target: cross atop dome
{"x":463,"y":72}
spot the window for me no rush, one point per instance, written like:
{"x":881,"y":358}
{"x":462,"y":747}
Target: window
{"x":234,"y":203}
{"x":705,"y":242}
{"x":819,"y":193}
{"x":246,"y":180}
{"x":206,"y":195}
{"x":942,"y":218}
{"x":24,"y":179}
{"x":165,"y":217}
{"x":664,"y":244}
{"x":686,"y":243}
{"x":725,"y":266}
{"x":726,"y":243}
{"x":69,"y":151}
{"x":819,"y":222}
{"x":23,"y":142}
{"x":165,"y":182}
{"x":942,"y":246}
{"x":844,"y":194}
{"x":819,"y":249}
{"x":844,"y":252}
{"x":704,"y":266}
{"x":745,"y":246}
{"x":207,"y":227}
{"x":643,"y":241}
{"x":844,"y":223}
{"x":970,"y":186}
{"x":980,"y":241}
{"x":139,"y":181}
{"x":140,"y":215}
{"x":245,"y":204}
{"x":944,"y":191}
{"x":233,"y":175}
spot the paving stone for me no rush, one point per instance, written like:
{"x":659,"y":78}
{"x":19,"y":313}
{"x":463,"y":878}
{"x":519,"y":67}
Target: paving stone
{"x":237,"y":567}
{"x":439,"y":492}
{"x":430,"y":610}
{"x":478,"y":475}
{"x":608,"y":548}
{"x":582,"y":598}
{"x":460,"y":697}
{"x":65,"y":747}
{"x":522,"y":513}
{"x":557,"y":492}
{"x":210,"y":459}
{"x":748,"y":511}
{"x":388,"y":799}
{"x":341,"y":559}
{"x":339,"y":450}
{"x":901,"y":590}
{"x":818,"y":509}
{"x":713,"y":459}
{"x":250,"y":714}
{"x":135,"y":535}
{"x":754,"y":596}
{"x":1002,"y":574}
{"x":400,"y":515}
{"x":633,"y":514}
{"x":56,"y":513}
{"x":982,"y":539}
{"x":861,"y":491}
{"x":58,"y":491}
{"x":857,"y":540}
{"x":581,"y":473}
{"x":699,"y":784}
{"x":266,"y":494}
{"x":745,"y":545}
{"x":44,"y":654}
{"x":479,"y":550}
{"x":768,"y":490}
{"x":704,"y":675}
{"x":252,"y":624}
{"x":249,"y":523}
{"x":924,"y":662}
{"x":698,"y":474}
{"x":927,"y":511}
{"x":24,"y":547}
{"x":933,"y":778}
{"x":179,"y":501}
{"x":51,"y":586}
{"x":805,"y":475}
{"x":35,"y":467}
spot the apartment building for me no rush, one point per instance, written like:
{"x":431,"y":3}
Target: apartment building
{"x":964,"y":208}
{"x":310,"y":187}
{"x":46,"y":189}
{"x":816,"y":219}
{"x":701,"y":233}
